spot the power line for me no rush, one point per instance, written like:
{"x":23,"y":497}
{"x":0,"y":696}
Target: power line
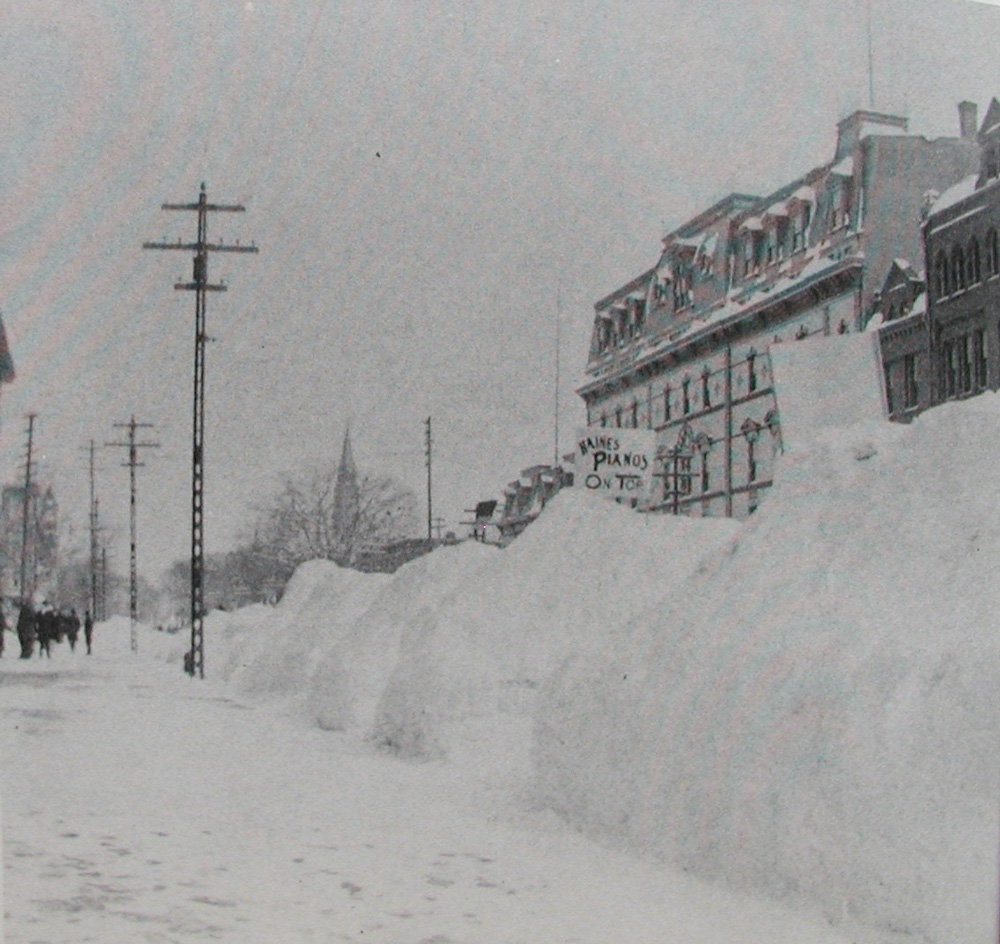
{"x":200,"y":285}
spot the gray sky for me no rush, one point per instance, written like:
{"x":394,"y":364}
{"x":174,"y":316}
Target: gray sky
{"x":429,"y":184}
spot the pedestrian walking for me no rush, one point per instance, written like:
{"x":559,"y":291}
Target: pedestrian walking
{"x":88,"y":629}
{"x":72,"y":629}
{"x":46,"y":629}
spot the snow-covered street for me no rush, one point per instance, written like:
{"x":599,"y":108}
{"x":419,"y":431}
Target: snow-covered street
{"x":141,"y":805}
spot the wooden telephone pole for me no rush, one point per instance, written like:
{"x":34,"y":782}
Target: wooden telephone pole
{"x":132,"y":463}
{"x":199,"y":284}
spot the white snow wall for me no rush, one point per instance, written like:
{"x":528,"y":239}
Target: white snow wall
{"x":823,"y":382}
{"x":816,"y":715}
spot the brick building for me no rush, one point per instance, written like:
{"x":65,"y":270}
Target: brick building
{"x":683,"y":348}
{"x":963,"y":266}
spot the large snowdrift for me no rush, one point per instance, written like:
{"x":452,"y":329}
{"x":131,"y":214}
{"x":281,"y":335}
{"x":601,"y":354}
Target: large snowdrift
{"x":276,"y":659}
{"x":565,"y":585}
{"x":815,"y":713}
{"x":804,"y":705}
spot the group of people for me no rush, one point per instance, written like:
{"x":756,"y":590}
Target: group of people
{"x":47,"y":625}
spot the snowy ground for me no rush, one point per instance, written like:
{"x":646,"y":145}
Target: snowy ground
{"x":143,"y":806}
{"x":802,"y":709}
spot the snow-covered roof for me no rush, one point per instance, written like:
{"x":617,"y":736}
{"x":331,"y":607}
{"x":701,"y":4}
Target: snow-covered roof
{"x":752,"y":222}
{"x":647,"y":348}
{"x":844,"y":167}
{"x":804,"y":194}
{"x":955,"y":193}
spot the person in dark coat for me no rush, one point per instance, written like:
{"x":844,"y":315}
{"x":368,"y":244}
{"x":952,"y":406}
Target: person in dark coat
{"x":46,"y":629}
{"x":26,"y":629}
{"x":88,"y":629}
{"x":72,"y":629}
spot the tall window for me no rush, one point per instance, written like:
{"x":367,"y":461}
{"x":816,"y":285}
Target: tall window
{"x":979,"y":358}
{"x":964,"y":364}
{"x":957,"y":269}
{"x":618,"y":416}
{"x":686,"y":388}
{"x":706,"y":398}
{"x":948,"y":369}
{"x":910,"y":381}
{"x":666,"y":404}
{"x":941,"y":275}
{"x":992,"y":255}
{"x":751,"y":433}
{"x":752,"y":370}
{"x":972,"y":269}
{"x":634,"y":410}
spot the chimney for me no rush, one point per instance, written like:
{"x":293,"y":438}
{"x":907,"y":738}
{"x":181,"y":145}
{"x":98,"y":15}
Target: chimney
{"x":967,"y":120}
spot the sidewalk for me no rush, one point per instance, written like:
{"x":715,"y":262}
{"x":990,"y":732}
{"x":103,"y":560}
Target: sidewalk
{"x":143,"y":806}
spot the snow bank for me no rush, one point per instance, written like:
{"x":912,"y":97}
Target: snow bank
{"x":814,"y":713}
{"x":567,"y":583}
{"x":355,"y":664}
{"x":276,"y":660}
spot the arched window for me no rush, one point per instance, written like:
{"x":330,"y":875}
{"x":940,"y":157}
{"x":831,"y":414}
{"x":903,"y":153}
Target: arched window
{"x":992,"y":256}
{"x":957,"y":269}
{"x":943,"y":282}
{"x":972,"y":270}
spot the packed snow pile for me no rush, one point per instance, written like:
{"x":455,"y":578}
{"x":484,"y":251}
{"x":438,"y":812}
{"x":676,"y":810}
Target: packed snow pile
{"x":355,"y":663}
{"x":275,"y":659}
{"x":567,"y":583}
{"x":814,"y":713}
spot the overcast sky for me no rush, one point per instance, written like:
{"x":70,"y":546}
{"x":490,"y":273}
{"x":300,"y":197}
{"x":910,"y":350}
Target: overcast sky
{"x":430,"y":185}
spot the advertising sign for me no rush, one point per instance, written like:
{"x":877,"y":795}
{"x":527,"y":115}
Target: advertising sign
{"x":615,"y":462}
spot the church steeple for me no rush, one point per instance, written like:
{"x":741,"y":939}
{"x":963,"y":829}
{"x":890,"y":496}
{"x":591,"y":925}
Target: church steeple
{"x":346,"y":500}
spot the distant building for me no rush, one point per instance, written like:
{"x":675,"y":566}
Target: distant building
{"x":963,"y":269}
{"x":683,"y":348}
{"x":525,"y":497}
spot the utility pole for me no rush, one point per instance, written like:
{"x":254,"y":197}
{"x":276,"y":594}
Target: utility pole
{"x":200,"y":285}
{"x":555,"y":447}
{"x":132,"y":463}
{"x":93,"y":538}
{"x":104,"y":585}
{"x":427,"y":449}
{"x":26,"y":511}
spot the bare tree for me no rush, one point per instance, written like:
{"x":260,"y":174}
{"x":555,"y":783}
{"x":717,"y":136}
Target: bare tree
{"x":304,"y":521}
